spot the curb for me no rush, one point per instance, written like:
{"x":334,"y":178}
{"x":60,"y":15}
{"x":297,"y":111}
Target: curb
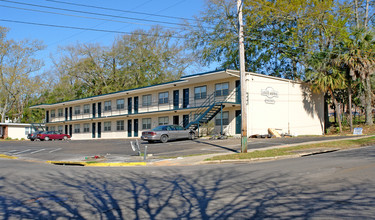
{"x":7,"y":157}
{"x":114,"y":164}
{"x":260,"y":159}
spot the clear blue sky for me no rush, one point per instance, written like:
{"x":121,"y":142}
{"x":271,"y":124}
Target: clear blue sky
{"x":141,"y":15}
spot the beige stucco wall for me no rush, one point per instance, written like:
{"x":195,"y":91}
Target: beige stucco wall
{"x":17,"y":132}
{"x":289,"y":106}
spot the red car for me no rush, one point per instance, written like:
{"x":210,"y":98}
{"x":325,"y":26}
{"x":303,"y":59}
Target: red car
{"x":52,"y":135}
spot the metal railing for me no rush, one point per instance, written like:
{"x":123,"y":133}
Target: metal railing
{"x":154,"y":106}
{"x":211,"y":100}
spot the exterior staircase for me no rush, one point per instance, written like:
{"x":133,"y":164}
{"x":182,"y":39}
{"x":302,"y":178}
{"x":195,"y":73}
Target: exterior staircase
{"x":206,"y":111}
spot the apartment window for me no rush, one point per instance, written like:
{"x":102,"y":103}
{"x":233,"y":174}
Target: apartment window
{"x":86,"y":128}
{"x":107,"y":106}
{"x":77,"y":128}
{"x":225,"y":118}
{"x":120,"y":125}
{"x":77,"y":110}
{"x":163,"y":120}
{"x":146,"y":100}
{"x":200,"y":92}
{"x":52,"y":128}
{"x":120,"y":103}
{"x":53,"y":114}
{"x":163,"y":97}
{"x":86,"y":109}
{"x":60,"y":112}
{"x":60,"y":129}
{"x":222,"y":89}
{"x":146,"y":123}
{"x":107,"y":126}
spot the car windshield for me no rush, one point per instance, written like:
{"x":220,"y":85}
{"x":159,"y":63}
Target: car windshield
{"x":161,"y":128}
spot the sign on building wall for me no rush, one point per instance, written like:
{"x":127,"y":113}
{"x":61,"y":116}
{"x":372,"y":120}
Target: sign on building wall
{"x":270,"y":95}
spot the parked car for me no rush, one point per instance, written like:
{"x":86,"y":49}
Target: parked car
{"x":52,"y":135}
{"x":165,"y":133}
{"x":33,"y":136}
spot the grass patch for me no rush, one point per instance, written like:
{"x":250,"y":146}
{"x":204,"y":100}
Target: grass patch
{"x":343,"y":144}
{"x":88,"y":162}
{"x":174,"y":157}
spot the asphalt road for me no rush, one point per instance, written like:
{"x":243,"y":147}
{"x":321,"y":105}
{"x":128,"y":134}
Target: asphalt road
{"x":338,"y":185}
{"x":77,"y":150}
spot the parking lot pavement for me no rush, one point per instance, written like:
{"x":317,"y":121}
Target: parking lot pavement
{"x":121,"y":150}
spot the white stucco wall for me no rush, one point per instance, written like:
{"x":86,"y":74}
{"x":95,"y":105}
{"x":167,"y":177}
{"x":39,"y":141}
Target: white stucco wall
{"x":284,"y":105}
{"x":17,"y":132}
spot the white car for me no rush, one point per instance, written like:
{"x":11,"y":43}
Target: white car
{"x":164,"y":133}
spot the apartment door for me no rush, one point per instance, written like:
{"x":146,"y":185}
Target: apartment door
{"x":47,"y":116}
{"x":136,"y":105}
{"x":176,"y":120}
{"x":238,"y":91}
{"x":135,"y":127}
{"x":185,"y":98}
{"x":176,"y":95}
{"x":93,"y":111}
{"x":99,"y":129}
{"x":238,"y":121}
{"x":93,"y":128}
{"x":71,"y":130}
{"x":66,"y":129}
{"x":129,"y":106}
{"x":129,"y":128}
{"x":185,"y":120}
{"x":66,"y":117}
{"x":70,"y":113}
{"x":99,"y":109}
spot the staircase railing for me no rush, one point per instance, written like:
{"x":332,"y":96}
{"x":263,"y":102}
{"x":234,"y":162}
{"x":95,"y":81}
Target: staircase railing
{"x":211,"y":100}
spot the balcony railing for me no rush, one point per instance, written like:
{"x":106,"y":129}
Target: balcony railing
{"x":196,"y":115}
{"x":154,"y":106}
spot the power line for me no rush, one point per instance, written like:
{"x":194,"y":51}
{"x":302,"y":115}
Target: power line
{"x":95,"y":25}
{"x":86,"y":29}
{"x":94,"y":13}
{"x":119,"y":10}
{"x":179,"y":2}
{"x":80,"y":16}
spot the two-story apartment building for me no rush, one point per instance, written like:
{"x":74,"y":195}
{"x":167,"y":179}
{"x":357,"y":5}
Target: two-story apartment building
{"x":271,"y":102}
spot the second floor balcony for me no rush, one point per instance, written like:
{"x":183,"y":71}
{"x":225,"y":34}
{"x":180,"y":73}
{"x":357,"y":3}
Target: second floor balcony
{"x":169,"y":104}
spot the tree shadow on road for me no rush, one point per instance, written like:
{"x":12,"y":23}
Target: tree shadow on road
{"x":210,"y":192}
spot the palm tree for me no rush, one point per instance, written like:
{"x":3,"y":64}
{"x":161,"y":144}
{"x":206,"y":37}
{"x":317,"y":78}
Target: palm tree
{"x":325,"y":77}
{"x":360,"y":59}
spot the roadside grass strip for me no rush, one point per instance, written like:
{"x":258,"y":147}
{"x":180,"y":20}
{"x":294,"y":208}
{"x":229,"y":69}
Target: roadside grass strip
{"x":97,"y":164}
{"x":295,"y":150}
{"x":7,"y":156}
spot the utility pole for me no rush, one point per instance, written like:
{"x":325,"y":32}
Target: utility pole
{"x":244,"y":94}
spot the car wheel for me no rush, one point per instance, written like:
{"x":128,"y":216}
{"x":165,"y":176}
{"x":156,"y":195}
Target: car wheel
{"x":191,"y":136}
{"x":31,"y":139}
{"x":150,"y":142}
{"x":65,"y":138}
{"x":46,"y":138}
{"x":164,"y":138}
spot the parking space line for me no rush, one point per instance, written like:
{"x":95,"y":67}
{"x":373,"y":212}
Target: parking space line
{"x":55,"y":150}
{"x":11,"y":151}
{"x":37,"y":151}
{"x":21,"y":152}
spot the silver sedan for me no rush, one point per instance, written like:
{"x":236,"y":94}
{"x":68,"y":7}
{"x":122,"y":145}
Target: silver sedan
{"x":164,"y":133}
